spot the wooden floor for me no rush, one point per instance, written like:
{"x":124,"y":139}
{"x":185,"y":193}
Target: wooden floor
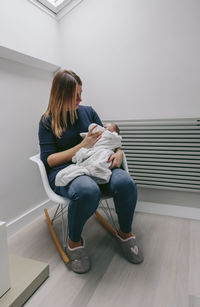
{"x":169,"y":276}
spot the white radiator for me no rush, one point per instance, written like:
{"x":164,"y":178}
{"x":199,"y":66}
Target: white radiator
{"x":163,"y":153}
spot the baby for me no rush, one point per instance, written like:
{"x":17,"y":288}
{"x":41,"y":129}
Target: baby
{"x":112,"y":127}
{"x":93,"y":161}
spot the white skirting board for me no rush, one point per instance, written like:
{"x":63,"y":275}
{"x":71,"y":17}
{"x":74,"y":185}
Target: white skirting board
{"x":28,"y":217}
{"x":165,"y":209}
{"x":146,"y":207}
{"x":169,"y":210}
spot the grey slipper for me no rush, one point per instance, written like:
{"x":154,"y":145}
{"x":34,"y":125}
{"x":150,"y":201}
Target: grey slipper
{"x":130,"y":249}
{"x":80,"y":262}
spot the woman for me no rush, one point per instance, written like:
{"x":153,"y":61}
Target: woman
{"x":59,"y":137}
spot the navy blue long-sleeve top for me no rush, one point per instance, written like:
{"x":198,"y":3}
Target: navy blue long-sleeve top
{"x":50,"y":144}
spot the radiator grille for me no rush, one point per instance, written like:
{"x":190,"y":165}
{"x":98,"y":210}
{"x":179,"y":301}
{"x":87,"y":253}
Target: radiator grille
{"x":163,"y":153}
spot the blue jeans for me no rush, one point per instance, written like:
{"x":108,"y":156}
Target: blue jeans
{"x":84,"y":195}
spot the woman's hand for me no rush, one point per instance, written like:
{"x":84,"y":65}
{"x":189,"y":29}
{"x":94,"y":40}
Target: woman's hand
{"x":91,"y":138}
{"x":116,"y":159}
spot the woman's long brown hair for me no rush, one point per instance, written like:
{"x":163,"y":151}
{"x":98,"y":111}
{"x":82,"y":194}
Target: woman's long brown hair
{"x":62,"y":99}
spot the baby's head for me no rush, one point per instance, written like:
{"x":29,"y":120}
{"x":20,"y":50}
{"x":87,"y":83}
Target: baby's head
{"x":112,"y":127}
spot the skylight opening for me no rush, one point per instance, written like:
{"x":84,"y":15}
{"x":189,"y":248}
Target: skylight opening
{"x":56,"y":8}
{"x":56,"y":2}
{"x":55,"y":5}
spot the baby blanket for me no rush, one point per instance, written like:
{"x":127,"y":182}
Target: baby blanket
{"x":92,"y":161}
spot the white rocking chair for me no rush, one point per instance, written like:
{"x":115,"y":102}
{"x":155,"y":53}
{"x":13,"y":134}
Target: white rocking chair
{"x":62,"y":206}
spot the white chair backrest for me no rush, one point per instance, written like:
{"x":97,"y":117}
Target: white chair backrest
{"x":50,"y":193}
{"x":124,"y":163}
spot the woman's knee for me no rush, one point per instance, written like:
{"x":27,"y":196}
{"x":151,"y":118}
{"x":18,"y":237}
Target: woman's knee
{"x":85,"y":189}
{"x":122,"y":181}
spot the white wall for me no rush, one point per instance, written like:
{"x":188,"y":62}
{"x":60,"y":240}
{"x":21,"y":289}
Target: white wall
{"x":28,"y":30}
{"x":31,"y":37}
{"x":24,"y":97}
{"x":137,"y":58}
